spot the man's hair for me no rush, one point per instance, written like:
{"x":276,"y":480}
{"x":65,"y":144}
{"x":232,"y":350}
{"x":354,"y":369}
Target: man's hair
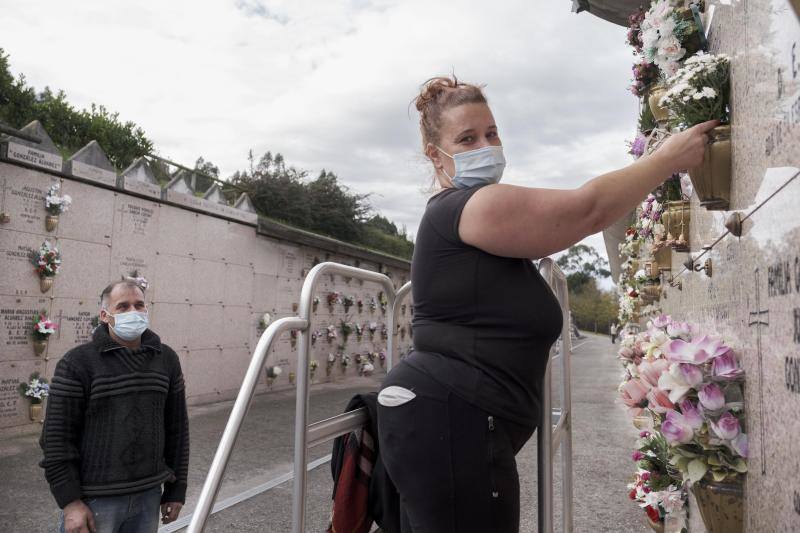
{"x":106,"y":294}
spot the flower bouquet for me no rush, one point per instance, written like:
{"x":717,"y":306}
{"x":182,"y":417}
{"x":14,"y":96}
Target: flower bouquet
{"x":655,"y":488}
{"x":348,"y":302}
{"x":293,"y":337}
{"x":272,"y":374}
{"x":359,"y":331}
{"x":360,"y":305}
{"x":344,"y":362}
{"x":384,"y":332}
{"x":698,"y":92}
{"x":35,"y":390}
{"x":382,"y":301}
{"x":43,"y":327}
{"x":315,"y":304}
{"x":331,"y":361}
{"x":372,"y":328}
{"x":669,"y":34}
{"x":366,"y":369}
{"x":691,"y":385}
{"x":346,"y":328}
{"x":331,"y":333}
{"x":55,"y":204}
{"x":312,"y":367}
{"x":47,"y":261}
{"x":333,"y":299}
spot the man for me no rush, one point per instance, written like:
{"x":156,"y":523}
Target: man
{"x":613,"y":332}
{"x":116,"y":427}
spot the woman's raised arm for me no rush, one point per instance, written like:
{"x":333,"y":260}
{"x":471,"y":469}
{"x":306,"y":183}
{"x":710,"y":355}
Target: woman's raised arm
{"x":512,"y":221}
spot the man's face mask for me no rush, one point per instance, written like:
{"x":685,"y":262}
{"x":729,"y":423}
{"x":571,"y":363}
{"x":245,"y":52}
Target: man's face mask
{"x":129,"y":326}
{"x":482,"y":166}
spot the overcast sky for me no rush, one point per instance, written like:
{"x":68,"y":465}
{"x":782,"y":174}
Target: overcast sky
{"x":327,"y":83}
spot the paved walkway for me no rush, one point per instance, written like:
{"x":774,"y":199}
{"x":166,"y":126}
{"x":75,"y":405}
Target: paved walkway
{"x":602,"y":439}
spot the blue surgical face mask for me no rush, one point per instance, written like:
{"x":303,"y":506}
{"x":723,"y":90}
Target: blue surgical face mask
{"x":483,"y":166}
{"x":129,"y":326}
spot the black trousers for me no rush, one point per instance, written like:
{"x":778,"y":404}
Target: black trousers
{"x":452,"y":463}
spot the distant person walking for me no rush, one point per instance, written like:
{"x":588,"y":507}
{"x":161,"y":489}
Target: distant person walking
{"x":613,"y":331}
{"x":116,"y":427}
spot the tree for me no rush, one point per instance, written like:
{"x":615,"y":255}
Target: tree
{"x":591,"y":307}
{"x":69,"y":128}
{"x":581,"y":264}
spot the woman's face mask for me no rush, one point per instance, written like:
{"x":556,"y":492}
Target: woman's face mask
{"x":482,"y":166}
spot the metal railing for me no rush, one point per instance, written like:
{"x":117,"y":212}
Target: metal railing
{"x":548,"y":442}
{"x":307,"y":436}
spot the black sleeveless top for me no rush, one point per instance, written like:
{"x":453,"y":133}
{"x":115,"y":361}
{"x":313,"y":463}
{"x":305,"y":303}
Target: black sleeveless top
{"x":483,"y":324}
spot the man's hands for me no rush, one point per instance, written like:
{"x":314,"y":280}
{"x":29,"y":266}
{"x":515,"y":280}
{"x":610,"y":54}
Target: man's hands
{"x":170,"y":511}
{"x":685,"y":150}
{"x":78,"y":518}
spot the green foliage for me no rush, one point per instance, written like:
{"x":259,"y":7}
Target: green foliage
{"x":321,"y":205}
{"x":69,"y":128}
{"x":592,"y":309}
{"x":647,"y":122}
{"x":581,"y":264}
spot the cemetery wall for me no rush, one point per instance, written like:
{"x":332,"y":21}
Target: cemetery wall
{"x":751,"y":293}
{"x":213,"y":271}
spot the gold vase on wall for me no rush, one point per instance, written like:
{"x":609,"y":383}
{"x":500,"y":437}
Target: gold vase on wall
{"x":676,"y":218}
{"x":721,"y":505}
{"x":39,"y":347}
{"x":35,"y":412}
{"x":712,"y":179}
{"x":46,"y":283}
{"x":663,"y":256}
{"x":51,"y":222}
{"x":654,"y":95}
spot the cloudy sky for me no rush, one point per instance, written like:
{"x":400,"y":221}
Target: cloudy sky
{"x":328,"y":83}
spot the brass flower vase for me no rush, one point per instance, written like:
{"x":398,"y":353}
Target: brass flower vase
{"x":46,"y":283}
{"x":653,"y":292}
{"x":35,"y":412}
{"x":654,"y":96}
{"x":39,"y":347}
{"x":663,"y":256}
{"x":51,"y":222}
{"x":676,"y":221}
{"x":658,"y":527}
{"x":712,"y":179}
{"x":721,"y":505}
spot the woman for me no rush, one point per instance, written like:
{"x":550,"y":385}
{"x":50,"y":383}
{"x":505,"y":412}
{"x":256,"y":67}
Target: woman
{"x":455,"y":412}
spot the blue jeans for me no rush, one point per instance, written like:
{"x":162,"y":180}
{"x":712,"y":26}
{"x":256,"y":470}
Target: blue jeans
{"x":129,"y":513}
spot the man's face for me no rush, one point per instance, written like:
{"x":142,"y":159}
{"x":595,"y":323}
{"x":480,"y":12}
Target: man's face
{"x":122,"y":300}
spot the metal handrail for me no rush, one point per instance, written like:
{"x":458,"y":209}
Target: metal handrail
{"x":560,"y":434}
{"x":305,"y":435}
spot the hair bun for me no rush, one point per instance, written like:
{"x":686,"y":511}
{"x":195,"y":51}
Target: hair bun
{"x":432,"y":89}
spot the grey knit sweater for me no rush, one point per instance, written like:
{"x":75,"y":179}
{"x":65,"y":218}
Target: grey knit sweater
{"x":116,"y":421}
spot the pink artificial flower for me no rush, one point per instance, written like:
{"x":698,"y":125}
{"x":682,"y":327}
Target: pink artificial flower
{"x":659,"y":401}
{"x":727,"y":427}
{"x":661,"y":321}
{"x":650,"y":371}
{"x":739,"y":445}
{"x":680,"y":329}
{"x":725,"y":367}
{"x":711,"y":397}
{"x":645,"y":476}
{"x":676,"y":429}
{"x":644,"y":434}
{"x":637,"y":456}
{"x":633,"y":393}
{"x":692,"y":413}
{"x":696,"y":352}
{"x":679,"y":380}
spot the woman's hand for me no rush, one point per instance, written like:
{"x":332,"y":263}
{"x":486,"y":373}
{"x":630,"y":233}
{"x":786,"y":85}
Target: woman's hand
{"x":685,"y":150}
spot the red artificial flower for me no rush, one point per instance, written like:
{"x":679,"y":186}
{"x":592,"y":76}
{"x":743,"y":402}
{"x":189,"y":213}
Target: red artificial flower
{"x":632,"y":494}
{"x":652,"y":513}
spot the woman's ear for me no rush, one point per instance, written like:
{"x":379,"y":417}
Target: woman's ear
{"x":434,"y":155}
